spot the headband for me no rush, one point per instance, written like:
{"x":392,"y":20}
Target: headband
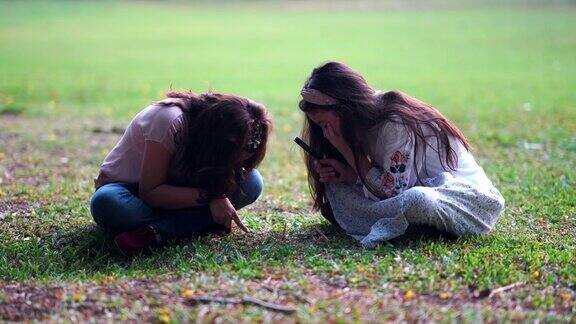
{"x":317,"y":97}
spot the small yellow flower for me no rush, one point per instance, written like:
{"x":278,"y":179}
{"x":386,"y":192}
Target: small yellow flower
{"x":409,"y":295}
{"x":565,"y":296}
{"x":77,"y":297}
{"x":536,"y":275}
{"x":188,"y":293}
{"x":164,"y":315}
{"x":444,"y":295}
{"x":164,"y":318}
{"x":2,"y":155}
{"x":108,"y":280}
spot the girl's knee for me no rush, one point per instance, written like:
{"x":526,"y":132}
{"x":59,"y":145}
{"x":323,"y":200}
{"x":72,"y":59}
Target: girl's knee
{"x":421,"y":199}
{"x":252,"y":186}
{"x":484,"y":220}
{"x":248,"y":190}
{"x":497,"y":203}
{"x":421,"y":208}
{"x":98,"y":206}
{"x":102,"y":201}
{"x":109,"y":207}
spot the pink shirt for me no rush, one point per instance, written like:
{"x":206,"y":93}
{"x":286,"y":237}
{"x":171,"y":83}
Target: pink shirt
{"x":156,"y":123}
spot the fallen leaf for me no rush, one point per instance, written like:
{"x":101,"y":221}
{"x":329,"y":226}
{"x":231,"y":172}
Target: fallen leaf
{"x":77,"y":297}
{"x":188,"y":293}
{"x":164,"y":315}
{"x":565,"y":296}
{"x":409,"y":295}
{"x":108,"y":280}
{"x":164,"y":318}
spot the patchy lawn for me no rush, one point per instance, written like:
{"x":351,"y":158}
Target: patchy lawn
{"x":70,"y":84}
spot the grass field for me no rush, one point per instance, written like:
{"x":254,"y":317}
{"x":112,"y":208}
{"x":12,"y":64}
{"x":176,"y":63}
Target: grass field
{"x":73,"y":73}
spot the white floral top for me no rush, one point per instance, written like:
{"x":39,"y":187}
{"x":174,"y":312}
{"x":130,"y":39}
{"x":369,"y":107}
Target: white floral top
{"x":396,"y":168}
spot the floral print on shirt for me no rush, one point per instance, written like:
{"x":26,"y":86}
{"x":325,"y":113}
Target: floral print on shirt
{"x":394,"y":180}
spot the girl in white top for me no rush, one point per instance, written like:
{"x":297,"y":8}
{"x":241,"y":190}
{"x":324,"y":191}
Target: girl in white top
{"x":391,"y":161}
{"x":183,"y":167}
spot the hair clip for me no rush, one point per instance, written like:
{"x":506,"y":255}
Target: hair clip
{"x":255,"y":135}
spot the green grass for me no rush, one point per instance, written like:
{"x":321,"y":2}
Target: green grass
{"x":506,"y":76}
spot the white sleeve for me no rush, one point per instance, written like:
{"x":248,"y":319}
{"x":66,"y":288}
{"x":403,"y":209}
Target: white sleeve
{"x":393,"y":162}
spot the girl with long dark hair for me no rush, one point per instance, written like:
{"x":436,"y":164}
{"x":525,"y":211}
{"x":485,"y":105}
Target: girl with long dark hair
{"x":391,"y":160}
{"x":183,"y":167}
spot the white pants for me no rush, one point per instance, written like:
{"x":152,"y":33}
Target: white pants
{"x":450,"y":205}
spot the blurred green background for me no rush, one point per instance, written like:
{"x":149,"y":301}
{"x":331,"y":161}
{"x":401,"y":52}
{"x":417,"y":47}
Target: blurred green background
{"x":108,"y":59}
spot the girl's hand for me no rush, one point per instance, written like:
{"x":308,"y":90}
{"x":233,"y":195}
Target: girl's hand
{"x":327,"y":169}
{"x":224,"y":213}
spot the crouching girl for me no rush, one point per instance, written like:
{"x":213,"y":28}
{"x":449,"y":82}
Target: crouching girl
{"x":183,"y":167}
{"x":391,"y":161}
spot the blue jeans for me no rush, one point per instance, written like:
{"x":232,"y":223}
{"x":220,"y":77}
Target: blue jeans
{"x":117,"y":208}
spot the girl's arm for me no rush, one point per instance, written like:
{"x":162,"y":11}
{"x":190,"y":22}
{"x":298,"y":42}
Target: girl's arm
{"x":394,"y":169}
{"x":153,"y":188}
{"x":336,"y":139}
{"x":156,"y":193}
{"x":364,"y":164}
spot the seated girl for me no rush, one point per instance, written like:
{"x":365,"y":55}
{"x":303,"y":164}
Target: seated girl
{"x":390,"y":161}
{"x":183,"y":167}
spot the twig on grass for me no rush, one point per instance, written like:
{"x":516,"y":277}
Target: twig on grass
{"x":321,"y":233}
{"x":210,"y":299}
{"x":268,"y":305}
{"x":269,"y":289}
{"x":244,"y":300}
{"x":302,"y":299}
{"x":505,"y":288}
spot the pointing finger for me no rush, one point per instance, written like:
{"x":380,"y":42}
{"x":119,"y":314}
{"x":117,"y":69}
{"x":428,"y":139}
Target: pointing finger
{"x":238,"y":222}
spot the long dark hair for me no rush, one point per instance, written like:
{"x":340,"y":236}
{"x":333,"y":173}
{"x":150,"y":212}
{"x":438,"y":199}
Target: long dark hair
{"x":217,"y":131}
{"x":360,"y":107}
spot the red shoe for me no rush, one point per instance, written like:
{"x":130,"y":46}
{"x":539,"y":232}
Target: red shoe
{"x":135,"y":242}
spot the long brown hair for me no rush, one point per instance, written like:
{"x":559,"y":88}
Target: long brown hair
{"x":217,"y":129}
{"x":360,"y":107}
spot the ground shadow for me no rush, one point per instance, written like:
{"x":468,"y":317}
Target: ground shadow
{"x":424,"y":233}
{"x":89,"y":250}
{"x":413,"y":233}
